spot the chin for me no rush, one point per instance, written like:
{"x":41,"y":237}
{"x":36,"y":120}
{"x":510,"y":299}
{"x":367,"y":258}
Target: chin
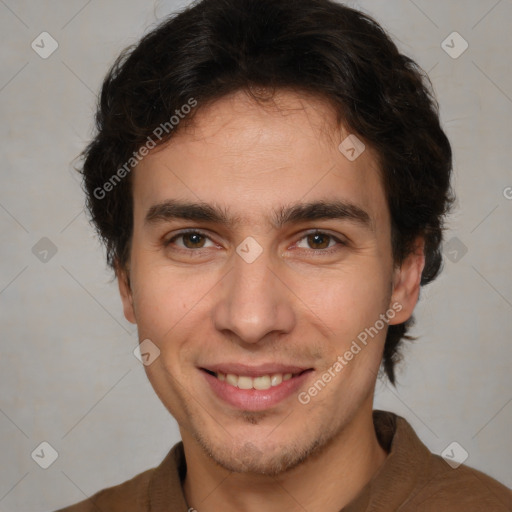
{"x":262,"y":457}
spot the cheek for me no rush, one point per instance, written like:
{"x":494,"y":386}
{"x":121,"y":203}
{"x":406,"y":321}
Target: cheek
{"x":346,"y":300}
{"x":156,"y":301}
{"x":170,"y":301}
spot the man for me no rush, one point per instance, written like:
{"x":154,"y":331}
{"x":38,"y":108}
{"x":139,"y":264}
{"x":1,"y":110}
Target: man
{"x":270,"y":179}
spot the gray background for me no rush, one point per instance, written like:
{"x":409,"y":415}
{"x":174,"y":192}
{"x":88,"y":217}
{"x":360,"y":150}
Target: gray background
{"x":67,"y":372}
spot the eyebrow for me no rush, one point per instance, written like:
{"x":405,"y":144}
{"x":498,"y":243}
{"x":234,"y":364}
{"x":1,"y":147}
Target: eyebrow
{"x":293,"y":214}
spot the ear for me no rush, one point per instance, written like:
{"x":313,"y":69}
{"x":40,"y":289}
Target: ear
{"x":123,"y":281}
{"x":406,"y":283}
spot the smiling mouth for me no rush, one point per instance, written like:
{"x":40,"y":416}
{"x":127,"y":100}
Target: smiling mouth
{"x":261,"y":382}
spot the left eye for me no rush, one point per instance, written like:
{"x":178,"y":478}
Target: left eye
{"x":317,"y":241}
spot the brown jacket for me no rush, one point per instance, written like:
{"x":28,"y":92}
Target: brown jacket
{"x":412,"y":479}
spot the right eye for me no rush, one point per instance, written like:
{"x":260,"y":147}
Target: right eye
{"x":189,"y":240}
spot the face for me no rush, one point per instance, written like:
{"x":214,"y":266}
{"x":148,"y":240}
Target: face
{"x":260,"y":250}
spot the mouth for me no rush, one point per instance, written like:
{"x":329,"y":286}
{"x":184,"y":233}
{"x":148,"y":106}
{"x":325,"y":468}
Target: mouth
{"x":255,"y":388}
{"x":261,"y":382}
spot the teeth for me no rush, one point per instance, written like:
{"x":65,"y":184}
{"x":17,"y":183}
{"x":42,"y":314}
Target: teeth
{"x":276,"y":379}
{"x":244,"y":382}
{"x":261,"y":383}
{"x":232,"y":379}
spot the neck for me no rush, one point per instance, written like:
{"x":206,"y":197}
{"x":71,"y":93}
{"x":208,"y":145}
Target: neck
{"x":327,"y":481}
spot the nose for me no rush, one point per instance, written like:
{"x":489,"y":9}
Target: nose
{"x":254,"y":303}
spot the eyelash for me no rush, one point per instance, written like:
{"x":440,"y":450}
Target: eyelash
{"x":314,"y":232}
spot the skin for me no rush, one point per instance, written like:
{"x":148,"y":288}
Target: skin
{"x":301,"y":302}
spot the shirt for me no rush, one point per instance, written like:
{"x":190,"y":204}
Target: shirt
{"x":411,"y":479}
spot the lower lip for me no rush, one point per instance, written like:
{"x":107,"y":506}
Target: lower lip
{"x":256,"y":399}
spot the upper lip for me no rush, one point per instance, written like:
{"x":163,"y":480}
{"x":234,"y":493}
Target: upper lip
{"x":254,"y":370}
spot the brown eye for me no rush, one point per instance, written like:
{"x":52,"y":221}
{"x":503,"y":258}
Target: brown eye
{"x":189,"y":240}
{"x":193,"y":240}
{"x":318,"y":240}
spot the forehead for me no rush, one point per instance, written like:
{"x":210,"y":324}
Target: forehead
{"x":251,"y":158}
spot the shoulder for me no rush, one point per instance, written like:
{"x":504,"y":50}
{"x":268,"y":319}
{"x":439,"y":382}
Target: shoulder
{"x":461,"y":489}
{"x":413,"y":479}
{"x":131,"y":495}
{"x":154,"y":489}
